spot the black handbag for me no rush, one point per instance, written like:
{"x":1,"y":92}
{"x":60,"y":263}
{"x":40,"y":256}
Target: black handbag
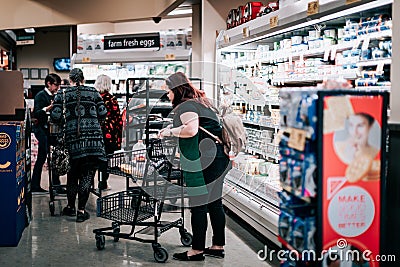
{"x":60,"y":155}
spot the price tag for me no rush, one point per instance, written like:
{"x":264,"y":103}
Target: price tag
{"x":379,"y":67}
{"x":226,"y":38}
{"x":246,"y":32}
{"x":365,"y":44}
{"x":86,"y":59}
{"x":273,"y":22}
{"x":297,"y":139}
{"x":170,"y":56}
{"x":348,"y":2}
{"x":312,"y":8}
{"x":326,"y":54}
{"x":333,"y":53}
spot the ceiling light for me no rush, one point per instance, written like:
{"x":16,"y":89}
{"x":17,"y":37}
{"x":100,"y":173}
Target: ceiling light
{"x":182,"y":11}
{"x":29,"y":30}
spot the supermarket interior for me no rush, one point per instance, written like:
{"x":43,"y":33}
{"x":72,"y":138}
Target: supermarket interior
{"x":312,"y":83}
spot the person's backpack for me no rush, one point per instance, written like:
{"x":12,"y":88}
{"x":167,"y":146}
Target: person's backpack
{"x":233,"y":132}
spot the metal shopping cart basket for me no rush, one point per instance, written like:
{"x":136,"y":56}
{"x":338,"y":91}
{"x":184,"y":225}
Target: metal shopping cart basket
{"x":140,"y":207}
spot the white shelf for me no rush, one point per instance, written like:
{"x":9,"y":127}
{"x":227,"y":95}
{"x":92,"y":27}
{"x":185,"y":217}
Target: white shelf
{"x":374,"y":62}
{"x":295,"y":14}
{"x":373,"y":88}
{"x":140,"y":56}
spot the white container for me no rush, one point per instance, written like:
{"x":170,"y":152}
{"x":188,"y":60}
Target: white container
{"x":171,"y":39}
{"x":98,"y":44}
{"x":163,"y":39}
{"x":330,"y":33}
{"x":296,"y":40}
{"x":80,"y":47}
{"x":189,"y":38}
{"x":180,"y":39}
{"x":89,"y":45}
{"x":313,"y":35}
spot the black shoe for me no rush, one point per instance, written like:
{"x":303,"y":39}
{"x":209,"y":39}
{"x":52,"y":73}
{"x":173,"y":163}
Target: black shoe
{"x":61,"y":191}
{"x":82,"y":216}
{"x":68,"y":211}
{"x":184,"y":257}
{"x":39,"y":191}
{"x":217,"y":253}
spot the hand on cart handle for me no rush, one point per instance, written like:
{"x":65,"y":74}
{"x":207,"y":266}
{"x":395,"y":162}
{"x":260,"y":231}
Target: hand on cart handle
{"x":165,"y":132}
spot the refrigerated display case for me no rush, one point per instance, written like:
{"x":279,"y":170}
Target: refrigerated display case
{"x":293,"y":47}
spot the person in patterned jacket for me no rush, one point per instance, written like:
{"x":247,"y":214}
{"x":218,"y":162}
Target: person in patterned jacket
{"x":84,"y":112}
{"x":112,"y":127}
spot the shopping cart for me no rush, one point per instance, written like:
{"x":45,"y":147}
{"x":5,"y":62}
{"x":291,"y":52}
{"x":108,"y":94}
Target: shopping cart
{"x":154,"y":172}
{"x":54,"y":139}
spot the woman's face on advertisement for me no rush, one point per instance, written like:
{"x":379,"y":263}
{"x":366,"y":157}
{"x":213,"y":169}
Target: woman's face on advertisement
{"x":359,"y":129}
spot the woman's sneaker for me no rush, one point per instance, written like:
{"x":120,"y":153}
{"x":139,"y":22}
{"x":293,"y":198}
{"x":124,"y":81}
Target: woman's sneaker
{"x":82,"y":216}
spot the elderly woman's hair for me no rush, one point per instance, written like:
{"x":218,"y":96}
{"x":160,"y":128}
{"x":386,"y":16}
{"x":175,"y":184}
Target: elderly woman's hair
{"x":76,"y":76}
{"x":103,"y":83}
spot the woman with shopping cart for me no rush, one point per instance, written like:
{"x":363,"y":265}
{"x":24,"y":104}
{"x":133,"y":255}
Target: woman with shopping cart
{"x":203,"y":162}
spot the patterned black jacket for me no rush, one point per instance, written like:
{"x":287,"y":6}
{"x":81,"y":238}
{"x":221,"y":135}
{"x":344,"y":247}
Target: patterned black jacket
{"x":85,"y":111}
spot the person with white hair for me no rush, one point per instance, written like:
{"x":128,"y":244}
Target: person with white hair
{"x":112,"y":126}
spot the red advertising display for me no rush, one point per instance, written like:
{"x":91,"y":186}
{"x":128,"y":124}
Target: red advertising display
{"x":351,"y":173}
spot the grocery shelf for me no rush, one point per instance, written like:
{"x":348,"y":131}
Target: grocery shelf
{"x":374,"y":62}
{"x":292,"y":17}
{"x":140,"y":56}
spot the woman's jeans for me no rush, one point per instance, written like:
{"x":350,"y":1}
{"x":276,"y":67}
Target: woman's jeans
{"x":212,"y":203}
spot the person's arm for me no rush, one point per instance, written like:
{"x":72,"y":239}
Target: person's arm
{"x":101,"y":108}
{"x":189,"y":127}
{"x":56,"y":112}
{"x":39,"y":107}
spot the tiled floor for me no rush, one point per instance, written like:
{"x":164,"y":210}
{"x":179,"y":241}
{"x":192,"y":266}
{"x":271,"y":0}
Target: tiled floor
{"x":60,"y":241}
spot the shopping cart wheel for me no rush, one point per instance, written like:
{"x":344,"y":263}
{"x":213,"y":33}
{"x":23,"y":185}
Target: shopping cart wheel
{"x":100,"y":242}
{"x":160,"y":254}
{"x":186,"y":239}
{"x":116,"y":231}
{"x":52,"y":208}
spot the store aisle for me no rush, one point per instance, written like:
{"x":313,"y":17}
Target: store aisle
{"x":60,"y":241}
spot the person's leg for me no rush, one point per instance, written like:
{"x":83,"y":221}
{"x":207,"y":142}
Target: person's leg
{"x":214,"y":176}
{"x":84,"y":186}
{"x":103,"y":183}
{"x":217,"y":219}
{"x":41,"y":159}
{"x":85,"y":183}
{"x":199,"y":227}
{"x":73,"y":176}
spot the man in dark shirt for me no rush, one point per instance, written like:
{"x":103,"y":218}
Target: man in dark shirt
{"x":42,"y":105}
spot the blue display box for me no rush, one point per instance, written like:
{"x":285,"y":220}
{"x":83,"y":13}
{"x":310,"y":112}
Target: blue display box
{"x":12,"y":183}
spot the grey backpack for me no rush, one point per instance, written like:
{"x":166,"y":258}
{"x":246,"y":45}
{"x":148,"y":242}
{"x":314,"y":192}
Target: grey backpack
{"x":233,"y":132}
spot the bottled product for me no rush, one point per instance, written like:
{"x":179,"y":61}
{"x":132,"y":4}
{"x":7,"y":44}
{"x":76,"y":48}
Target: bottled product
{"x":163,"y":39}
{"x":138,"y":153}
{"x":171,"y":39}
{"x":180,"y":39}
{"x":80,"y":48}
{"x":189,"y":38}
